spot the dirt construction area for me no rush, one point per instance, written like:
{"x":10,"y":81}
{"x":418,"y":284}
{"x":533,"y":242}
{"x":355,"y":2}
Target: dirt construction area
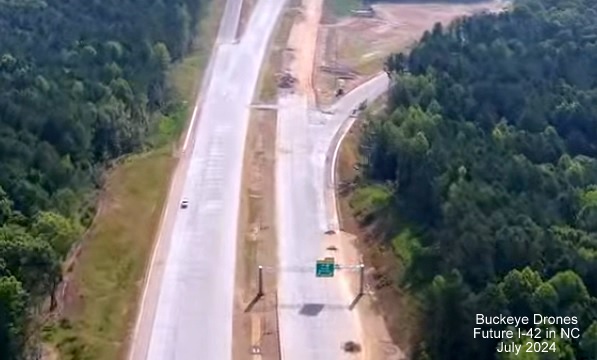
{"x":351,"y":49}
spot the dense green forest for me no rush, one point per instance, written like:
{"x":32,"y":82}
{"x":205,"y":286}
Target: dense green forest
{"x":488,"y":151}
{"x":81,"y":83}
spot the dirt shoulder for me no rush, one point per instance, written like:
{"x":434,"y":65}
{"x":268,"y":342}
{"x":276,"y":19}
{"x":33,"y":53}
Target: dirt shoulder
{"x":255,"y":321}
{"x":302,"y":47}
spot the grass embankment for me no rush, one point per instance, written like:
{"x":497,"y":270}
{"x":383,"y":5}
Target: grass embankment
{"x":343,"y":7}
{"x":107,"y":279}
{"x":113,"y":259}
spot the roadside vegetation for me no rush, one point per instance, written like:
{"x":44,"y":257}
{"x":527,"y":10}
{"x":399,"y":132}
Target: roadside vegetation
{"x":344,"y":7}
{"x":84,"y":84}
{"x":101,"y":295}
{"x":483,"y":170}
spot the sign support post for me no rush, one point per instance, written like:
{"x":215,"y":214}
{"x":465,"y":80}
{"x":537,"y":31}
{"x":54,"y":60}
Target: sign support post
{"x":260,"y":281}
{"x":362,"y":279}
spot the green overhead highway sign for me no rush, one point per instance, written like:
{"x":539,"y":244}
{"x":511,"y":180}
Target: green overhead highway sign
{"x":325,"y":268}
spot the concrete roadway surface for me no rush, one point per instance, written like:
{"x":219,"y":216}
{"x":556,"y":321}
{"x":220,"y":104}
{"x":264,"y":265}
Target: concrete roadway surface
{"x":187,"y":304}
{"x":314,"y":313}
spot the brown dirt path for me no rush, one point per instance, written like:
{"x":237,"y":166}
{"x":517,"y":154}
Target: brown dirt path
{"x":303,"y":42}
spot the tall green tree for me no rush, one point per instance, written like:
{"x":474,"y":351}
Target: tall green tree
{"x":58,"y":231}
{"x":13,"y":313}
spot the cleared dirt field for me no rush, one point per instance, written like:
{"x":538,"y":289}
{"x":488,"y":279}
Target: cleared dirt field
{"x":360,"y":45}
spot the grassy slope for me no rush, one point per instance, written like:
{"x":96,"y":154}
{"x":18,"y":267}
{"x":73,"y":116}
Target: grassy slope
{"x":343,"y":7}
{"x":112,"y":263}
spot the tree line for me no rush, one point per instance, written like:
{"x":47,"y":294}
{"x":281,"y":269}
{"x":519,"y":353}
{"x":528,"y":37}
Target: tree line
{"x":81,"y":82}
{"x":488,"y":151}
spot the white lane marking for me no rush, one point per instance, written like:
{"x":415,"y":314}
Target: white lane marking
{"x":190,"y":131}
